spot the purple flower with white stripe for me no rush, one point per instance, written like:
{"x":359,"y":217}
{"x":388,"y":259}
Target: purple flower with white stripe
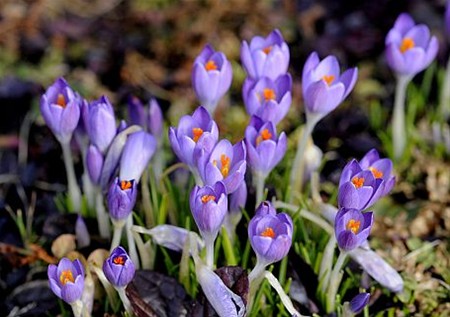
{"x":119,"y":269}
{"x":67,"y":279}
{"x":121,"y":198}
{"x":352,"y":228}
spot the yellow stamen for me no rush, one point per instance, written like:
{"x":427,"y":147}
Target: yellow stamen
{"x":264,"y":135}
{"x":328,"y":79}
{"x":197,"y":133}
{"x":225,"y":161}
{"x":358,"y":181}
{"x":210,"y":65}
{"x":66,"y":276}
{"x":376,"y":173}
{"x":61,"y":101}
{"x":119,"y":260}
{"x":206,"y":198}
{"x":267,"y":49}
{"x":268,"y":232}
{"x":407,"y":44}
{"x":125,"y":185}
{"x":353,"y":225}
{"x":269,"y":94}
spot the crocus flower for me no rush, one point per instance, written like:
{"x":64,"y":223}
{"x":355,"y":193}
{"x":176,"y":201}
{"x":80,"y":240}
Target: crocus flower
{"x":238,"y":198}
{"x":136,"y":111}
{"x":268,"y":99}
{"x":264,"y":149}
{"x":119,"y":269}
{"x":409,"y":48}
{"x":137,"y":152}
{"x":270,"y":234}
{"x":191,"y":130}
{"x":352,"y":228}
{"x":381,"y":168}
{"x":209,"y":205}
{"x":67,"y":279}
{"x":61,"y":110}
{"x":150,"y":118}
{"x":226,"y":163}
{"x":82,"y":233}
{"x":94,"y":163}
{"x":358,"y":302}
{"x":265,"y":57}
{"x":155,"y":119}
{"x":100,"y":123}
{"x":324,"y":87}
{"x":211,"y":77}
{"x":121,"y":198}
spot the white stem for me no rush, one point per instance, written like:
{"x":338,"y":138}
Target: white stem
{"x":125,"y":300}
{"x":74,"y":190}
{"x":118,"y":227}
{"x":259,"y":180}
{"x":398,"y":119}
{"x":335,"y":280}
{"x":326,"y":263}
{"x":158,"y":163}
{"x":209,"y":244}
{"x":77,"y":308}
{"x":131,"y":243}
{"x":198,"y":179}
{"x":88,"y":186}
{"x":102,"y":216}
{"x":283,"y":296}
{"x":445,"y":94}
{"x":255,"y":279}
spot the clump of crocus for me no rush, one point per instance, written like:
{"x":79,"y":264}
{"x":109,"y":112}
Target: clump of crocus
{"x":409,"y":50}
{"x":67,"y":282}
{"x":264,"y":151}
{"x":211,"y":77}
{"x":209,"y":205}
{"x":60,"y":108}
{"x":324,"y":88}
{"x":119,"y":270}
{"x":268,"y":99}
{"x":265,"y":57}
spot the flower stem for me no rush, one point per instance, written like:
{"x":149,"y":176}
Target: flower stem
{"x":74,"y":190}
{"x":131,"y":243}
{"x":445,"y":94}
{"x":118,"y":227}
{"x":197,"y":178}
{"x":255,"y":279}
{"x":125,"y":300}
{"x":398,"y":119}
{"x":335,"y":280}
{"x":77,"y":308}
{"x":102,"y":216}
{"x":325,"y":264}
{"x":259,"y":180}
{"x":209,"y":244}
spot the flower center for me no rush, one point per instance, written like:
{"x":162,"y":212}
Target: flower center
{"x":328,"y":79}
{"x":264,"y":135}
{"x":66,"y":276}
{"x":376,"y":173}
{"x":61,"y":101}
{"x":197,"y":133}
{"x":267,"y":49}
{"x":269,"y":94}
{"x":206,"y":198}
{"x":353,"y":225}
{"x":407,"y":44}
{"x":125,"y":185}
{"x":358,"y":181}
{"x":210,"y":65}
{"x":120,"y":260}
{"x":225,"y":165}
{"x":268,"y":232}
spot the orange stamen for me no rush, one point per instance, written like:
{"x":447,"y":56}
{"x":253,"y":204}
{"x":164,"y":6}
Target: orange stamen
{"x":119,"y":260}
{"x":210,"y":65}
{"x":328,"y":79}
{"x":125,"y":185}
{"x":268,"y":232}
{"x":358,"y":182}
{"x":61,"y":101}
{"x":197,"y":133}
{"x":407,"y":44}
{"x":264,"y":135}
{"x":66,"y":276}
{"x":206,"y":198}
{"x":376,"y":173}
{"x":353,"y":225}
{"x":269,"y":94}
{"x":267,"y":49}
{"x":225,"y":161}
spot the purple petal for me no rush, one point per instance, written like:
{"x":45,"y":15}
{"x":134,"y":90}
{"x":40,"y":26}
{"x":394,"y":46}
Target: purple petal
{"x":358,"y":302}
{"x":403,"y":23}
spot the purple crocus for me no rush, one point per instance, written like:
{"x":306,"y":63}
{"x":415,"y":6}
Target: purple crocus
{"x":265,"y":57}
{"x":100,"y":123}
{"x":211,"y":77}
{"x":358,"y":302}
{"x":119,"y":269}
{"x":226,"y":163}
{"x":209,"y":205}
{"x":352,"y":228}
{"x":270,"y":234}
{"x":190,"y":131}
{"x":324,"y":87}
{"x":409,"y":47}
{"x":121,"y":198}
{"x":264,"y":149}
{"x":137,"y":152}
{"x":268,"y":99}
{"x":60,"y":108}
{"x":94,"y":163}
{"x":381,"y":168}
{"x":150,"y":118}
{"x":67,"y":279}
